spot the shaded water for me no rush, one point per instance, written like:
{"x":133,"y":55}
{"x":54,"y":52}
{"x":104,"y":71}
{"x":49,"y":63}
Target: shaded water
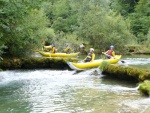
{"x":63,"y":91}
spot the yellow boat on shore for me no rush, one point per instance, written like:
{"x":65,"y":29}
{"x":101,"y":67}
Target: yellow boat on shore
{"x":93,"y":64}
{"x":48,"y":54}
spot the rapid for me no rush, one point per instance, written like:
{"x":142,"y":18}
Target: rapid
{"x":68,"y":91}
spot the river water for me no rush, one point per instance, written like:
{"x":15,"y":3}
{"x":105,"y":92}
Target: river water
{"x":67,"y":91}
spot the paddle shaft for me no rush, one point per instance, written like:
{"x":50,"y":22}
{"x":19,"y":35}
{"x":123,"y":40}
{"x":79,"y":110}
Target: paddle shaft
{"x":112,"y":57}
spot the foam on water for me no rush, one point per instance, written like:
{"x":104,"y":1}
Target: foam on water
{"x":137,"y":61}
{"x":71,"y":91}
{"x":7,"y":76}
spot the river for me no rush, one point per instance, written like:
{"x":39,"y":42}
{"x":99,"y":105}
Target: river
{"x":67,"y":91}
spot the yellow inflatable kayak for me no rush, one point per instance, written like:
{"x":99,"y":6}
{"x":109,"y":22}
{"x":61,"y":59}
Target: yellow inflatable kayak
{"x":48,"y":54}
{"x":93,"y":64}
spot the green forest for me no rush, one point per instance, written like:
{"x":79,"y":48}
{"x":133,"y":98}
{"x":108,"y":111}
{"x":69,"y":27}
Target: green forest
{"x":25,"y":25}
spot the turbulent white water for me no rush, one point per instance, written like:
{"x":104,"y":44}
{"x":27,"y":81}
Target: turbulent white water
{"x":137,"y":61}
{"x":58,"y":91}
{"x":64,"y":91}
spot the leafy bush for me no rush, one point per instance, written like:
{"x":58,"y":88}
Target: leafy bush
{"x":23,"y":25}
{"x":102,"y":27}
{"x":62,"y":39}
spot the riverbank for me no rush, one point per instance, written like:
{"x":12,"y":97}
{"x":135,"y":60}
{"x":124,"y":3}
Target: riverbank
{"x":130,"y":49}
{"x":138,"y":49}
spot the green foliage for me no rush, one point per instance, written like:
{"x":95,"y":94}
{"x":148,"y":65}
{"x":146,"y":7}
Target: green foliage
{"x":62,"y":39}
{"x":103,"y":64}
{"x":23,"y":25}
{"x":148,"y":38}
{"x":102,"y":27}
{"x":138,"y":12}
{"x":48,"y":9}
{"x":144,"y":87}
{"x":124,"y":7}
{"x":140,"y":20}
{"x":62,"y":14}
{"x":37,"y":28}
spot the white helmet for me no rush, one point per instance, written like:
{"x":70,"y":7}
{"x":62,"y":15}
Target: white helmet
{"x":91,"y":49}
{"x":112,"y":46}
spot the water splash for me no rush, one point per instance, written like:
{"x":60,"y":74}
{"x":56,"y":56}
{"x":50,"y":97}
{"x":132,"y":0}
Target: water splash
{"x":62,"y":91}
{"x":8,"y":76}
{"x":137,"y":61}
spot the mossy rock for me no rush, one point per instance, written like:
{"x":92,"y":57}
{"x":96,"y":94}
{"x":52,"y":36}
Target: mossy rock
{"x":36,"y":63}
{"x":145,"y":75}
{"x":103,"y":65}
{"x":144,"y":88}
{"x":50,"y":63}
{"x":10,"y":63}
{"x":126,"y":73}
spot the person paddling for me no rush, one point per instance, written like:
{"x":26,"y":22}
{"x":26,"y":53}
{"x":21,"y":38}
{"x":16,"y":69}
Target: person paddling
{"x":109,"y":53}
{"x":53,"y":49}
{"x":47,"y":48}
{"x":91,"y":56}
{"x":68,"y":49}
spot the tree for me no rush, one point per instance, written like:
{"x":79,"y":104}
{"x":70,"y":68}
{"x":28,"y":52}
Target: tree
{"x":140,"y":20}
{"x":124,"y":7}
{"x":103,"y":27}
{"x":22,"y":26}
{"x":64,"y":16}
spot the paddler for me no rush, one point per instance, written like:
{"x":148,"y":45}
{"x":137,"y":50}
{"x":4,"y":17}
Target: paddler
{"x":53,"y":49}
{"x":47,"y":48}
{"x":68,"y":49}
{"x":91,"y":56}
{"x":110,"y":53}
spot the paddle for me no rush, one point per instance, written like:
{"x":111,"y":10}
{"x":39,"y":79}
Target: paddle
{"x":108,"y":55}
{"x":112,"y":57}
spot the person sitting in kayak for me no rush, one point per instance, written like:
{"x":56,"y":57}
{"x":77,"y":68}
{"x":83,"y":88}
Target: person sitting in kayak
{"x":53,"y":49}
{"x":68,"y":49}
{"x":109,"y":53}
{"x":91,"y":56}
{"x":47,"y":48}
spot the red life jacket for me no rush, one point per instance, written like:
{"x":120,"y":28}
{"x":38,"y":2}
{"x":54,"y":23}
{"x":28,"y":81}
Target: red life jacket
{"x":110,"y":52}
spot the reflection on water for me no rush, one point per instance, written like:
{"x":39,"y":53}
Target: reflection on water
{"x":63,"y":91}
